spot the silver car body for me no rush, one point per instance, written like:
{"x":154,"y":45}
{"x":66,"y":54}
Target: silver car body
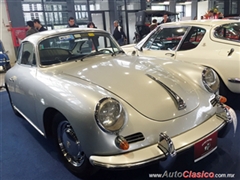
{"x":75,"y":88}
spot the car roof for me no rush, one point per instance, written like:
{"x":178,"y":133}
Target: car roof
{"x":36,"y":37}
{"x":210,"y":23}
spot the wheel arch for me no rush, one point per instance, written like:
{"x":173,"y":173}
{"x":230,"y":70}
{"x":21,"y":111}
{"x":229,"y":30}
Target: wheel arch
{"x":5,"y":84}
{"x":48,"y":117}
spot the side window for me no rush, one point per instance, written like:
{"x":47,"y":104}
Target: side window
{"x":193,"y":38}
{"x":230,"y":32}
{"x":150,"y":41}
{"x":26,"y":54}
{"x":166,"y":39}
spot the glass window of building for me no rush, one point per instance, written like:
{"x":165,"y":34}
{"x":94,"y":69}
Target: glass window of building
{"x":98,"y":5}
{"x":234,"y":7}
{"x":220,"y":5}
{"x":81,"y":5}
{"x":32,"y":10}
{"x":133,"y":4}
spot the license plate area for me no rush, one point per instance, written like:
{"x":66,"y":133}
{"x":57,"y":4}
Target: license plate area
{"x":205,"y":147}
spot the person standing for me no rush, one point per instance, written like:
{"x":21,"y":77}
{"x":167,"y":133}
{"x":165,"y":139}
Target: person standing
{"x":220,"y":16}
{"x":71,"y":23}
{"x":38,"y":25}
{"x":91,"y":25}
{"x":165,"y":19}
{"x":211,"y":15}
{"x":31,"y":29}
{"x":119,"y":34}
{"x":95,"y":38}
{"x":153,"y":25}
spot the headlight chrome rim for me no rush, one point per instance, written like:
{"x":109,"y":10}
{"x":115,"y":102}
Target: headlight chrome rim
{"x":120,"y":119}
{"x":213,"y":86}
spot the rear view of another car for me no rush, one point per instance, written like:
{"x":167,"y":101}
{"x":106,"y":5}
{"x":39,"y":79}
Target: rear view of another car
{"x":4,"y":59}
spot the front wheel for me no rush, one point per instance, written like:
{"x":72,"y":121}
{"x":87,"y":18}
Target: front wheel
{"x":70,"y":148}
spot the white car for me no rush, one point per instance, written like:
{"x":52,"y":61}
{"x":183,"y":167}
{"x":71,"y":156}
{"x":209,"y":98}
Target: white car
{"x":212,"y":43}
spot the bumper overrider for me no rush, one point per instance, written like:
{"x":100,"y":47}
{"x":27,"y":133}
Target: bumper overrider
{"x":167,"y":148}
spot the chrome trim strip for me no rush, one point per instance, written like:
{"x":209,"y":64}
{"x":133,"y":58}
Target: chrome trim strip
{"x":166,"y":145}
{"x":224,"y":114}
{"x":234,"y":80}
{"x":104,"y":165}
{"x":205,"y":155}
{"x":29,"y":120}
{"x":4,"y":60}
{"x":179,"y":102}
{"x":192,"y":144}
{"x":162,"y":156}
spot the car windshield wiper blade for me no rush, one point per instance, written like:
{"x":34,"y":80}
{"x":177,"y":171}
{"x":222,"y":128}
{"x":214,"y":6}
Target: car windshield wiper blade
{"x":92,"y":54}
{"x":74,"y":57}
{"x":82,"y":56}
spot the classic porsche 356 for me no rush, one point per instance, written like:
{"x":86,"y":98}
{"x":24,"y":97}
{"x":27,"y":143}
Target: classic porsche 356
{"x":104,"y":108}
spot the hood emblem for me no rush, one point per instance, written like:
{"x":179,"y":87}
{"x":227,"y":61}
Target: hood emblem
{"x":179,"y":102}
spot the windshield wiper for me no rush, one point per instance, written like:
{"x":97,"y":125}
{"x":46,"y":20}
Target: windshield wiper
{"x":92,"y":54}
{"x":82,"y":56}
{"x":74,"y":57}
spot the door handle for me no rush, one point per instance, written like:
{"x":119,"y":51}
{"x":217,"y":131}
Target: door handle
{"x":230,"y":52}
{"x":170,"y":54}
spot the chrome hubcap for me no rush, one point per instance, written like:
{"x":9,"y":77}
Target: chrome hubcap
{"x":69,"y":144}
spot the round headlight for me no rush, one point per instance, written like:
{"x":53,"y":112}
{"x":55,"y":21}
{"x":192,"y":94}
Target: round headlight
{"x":210,"y":80}
{"x":110,"y":114}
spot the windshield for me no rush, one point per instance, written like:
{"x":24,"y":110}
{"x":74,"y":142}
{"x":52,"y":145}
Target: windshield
{"x":75,"y":46}
{"x":165,"y":39}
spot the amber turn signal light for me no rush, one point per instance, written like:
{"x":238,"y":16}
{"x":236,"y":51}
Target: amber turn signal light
{"x":222,"y":99}
{"x":121,"y":143}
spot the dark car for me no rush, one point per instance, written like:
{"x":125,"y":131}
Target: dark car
{"x":4,"y":59}
{"x":144,"y":19}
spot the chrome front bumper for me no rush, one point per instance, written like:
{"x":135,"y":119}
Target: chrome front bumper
{"x":167,"y":148}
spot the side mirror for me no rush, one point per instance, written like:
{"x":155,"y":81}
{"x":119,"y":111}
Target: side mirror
{"x":134,"y":53}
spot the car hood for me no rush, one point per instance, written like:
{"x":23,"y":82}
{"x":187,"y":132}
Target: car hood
{"x":136,"y":81}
